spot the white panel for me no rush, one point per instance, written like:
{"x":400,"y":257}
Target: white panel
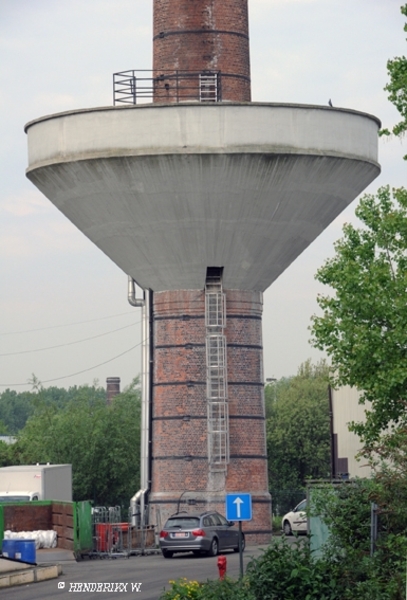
{"x":346,"y":408}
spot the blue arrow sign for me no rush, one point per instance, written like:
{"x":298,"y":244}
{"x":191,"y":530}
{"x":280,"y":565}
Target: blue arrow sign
{"x":239,"y":507}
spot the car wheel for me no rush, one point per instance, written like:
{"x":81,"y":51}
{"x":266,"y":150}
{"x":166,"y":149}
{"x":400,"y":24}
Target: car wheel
{"x":167,"y":553}
{"x":243,"y":545}
{"x":287,"y":528}
{"x":213,"y":550}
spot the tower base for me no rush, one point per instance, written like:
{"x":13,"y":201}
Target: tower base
{"x":182,"y":476}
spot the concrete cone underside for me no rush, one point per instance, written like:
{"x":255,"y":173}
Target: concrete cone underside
{"x":166,"y":191}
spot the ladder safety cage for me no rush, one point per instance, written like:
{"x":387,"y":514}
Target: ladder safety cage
{"x":218,"y":434}
{"x":215,"y":313}
{"x":216,"y":374}
{"x":216,"y":367}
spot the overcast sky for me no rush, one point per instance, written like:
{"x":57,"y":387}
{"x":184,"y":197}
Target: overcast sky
{"x":57,"y":289}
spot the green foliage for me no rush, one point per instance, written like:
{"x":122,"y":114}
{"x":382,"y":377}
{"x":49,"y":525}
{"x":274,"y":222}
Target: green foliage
{"x":3,"y":428}
{"x":226,"y":589}
{"x":389,"y":460}
{"x":15,"y":408}
{"x":277,"y":523}
{"x":397,"y":88}
{"x":346,"y":510}
{"x":297,"y":429}
{"x":364,"y":324}
{"x":6,"y":454}
{"x":101,"y":442}
{"x":183,"y":589}
{"x":288,"y":571}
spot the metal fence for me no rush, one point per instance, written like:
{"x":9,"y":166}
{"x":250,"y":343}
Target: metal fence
{"x":113,"y":537}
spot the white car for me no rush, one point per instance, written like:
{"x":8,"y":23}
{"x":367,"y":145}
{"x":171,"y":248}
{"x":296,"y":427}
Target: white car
{"x":295,"y":521}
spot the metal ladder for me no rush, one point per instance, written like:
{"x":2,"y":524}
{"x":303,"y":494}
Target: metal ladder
{"x":216,"y":374}
{"x":208,"y":87}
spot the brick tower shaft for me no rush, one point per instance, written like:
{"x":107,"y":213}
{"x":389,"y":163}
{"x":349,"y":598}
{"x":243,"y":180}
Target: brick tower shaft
{"x":181,"y":461}
{"x":193,"y":40}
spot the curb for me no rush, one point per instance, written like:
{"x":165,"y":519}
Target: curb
{"x":30,"y":575}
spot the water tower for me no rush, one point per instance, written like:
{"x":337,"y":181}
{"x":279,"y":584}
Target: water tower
{"x":203,"y":198}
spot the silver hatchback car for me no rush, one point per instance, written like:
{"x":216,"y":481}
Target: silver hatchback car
{"x":207,"y":532}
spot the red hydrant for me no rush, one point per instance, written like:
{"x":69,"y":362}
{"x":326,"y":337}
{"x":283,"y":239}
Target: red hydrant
{"x":222,"y":566}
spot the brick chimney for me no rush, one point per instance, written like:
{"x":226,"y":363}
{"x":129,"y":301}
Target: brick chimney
{"x":209,"y":36}
{"x":112,"y":388}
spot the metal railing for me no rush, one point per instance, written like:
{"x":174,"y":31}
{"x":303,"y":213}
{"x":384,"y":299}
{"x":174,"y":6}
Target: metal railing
{"x":138,"y":86}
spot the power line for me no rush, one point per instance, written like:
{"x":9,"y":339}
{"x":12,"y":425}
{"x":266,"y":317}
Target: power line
{"x":65,"y":325}
{"x":79,"y":372}
{"x":70,"y":343}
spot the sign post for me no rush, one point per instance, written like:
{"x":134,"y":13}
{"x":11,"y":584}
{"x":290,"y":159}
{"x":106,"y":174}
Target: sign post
{"x":239,"y":508}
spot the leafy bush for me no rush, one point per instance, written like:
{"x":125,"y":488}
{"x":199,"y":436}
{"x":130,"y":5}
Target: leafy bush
{"x":288,"y":571}
{"x":277,"y":524}
{"x":226,"y":589}
{"x":183,"y":589}
{"x":346,"y":508}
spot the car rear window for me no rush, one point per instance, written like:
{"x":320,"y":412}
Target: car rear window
{"x":183,"y":522}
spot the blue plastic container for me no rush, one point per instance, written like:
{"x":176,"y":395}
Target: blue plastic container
{"x":8,"y":548}
{"x":25,"y":551}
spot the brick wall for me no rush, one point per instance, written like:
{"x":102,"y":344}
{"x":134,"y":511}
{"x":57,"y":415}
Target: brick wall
{"x":27,"y":517}
{"x":179,"y":450}
{"x":50,"y":515}
{"x":206,"y":35}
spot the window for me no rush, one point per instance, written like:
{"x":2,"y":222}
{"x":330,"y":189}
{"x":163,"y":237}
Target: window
{"x":222,"y":520}
{"x":216,"y":519}
{"x":182,"y":522}
{"x":302,"y":506}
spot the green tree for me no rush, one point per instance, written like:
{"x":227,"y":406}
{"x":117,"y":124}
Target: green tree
{"x":397,"y":88}
{"x":298,"y":439}
{"x":3,"y":428}
{"x":101,"y":442}
{"x":6,"y":455}
{"x":363,"y":327}
{"x":15,"y":408}
{"x":121,"y":456}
